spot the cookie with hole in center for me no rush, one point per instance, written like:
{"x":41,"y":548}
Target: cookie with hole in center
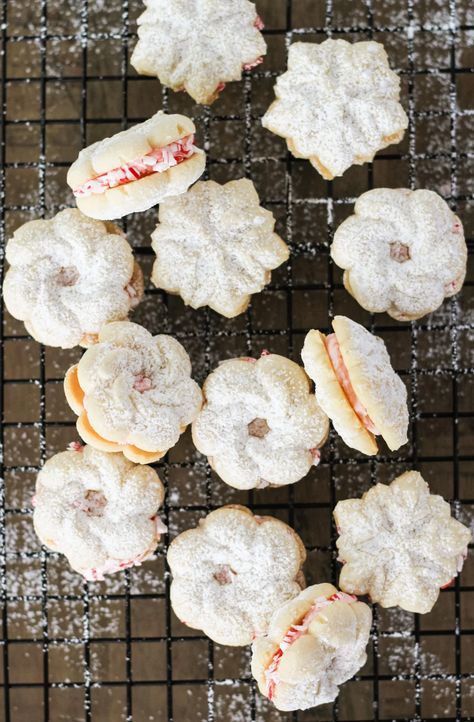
{"x":260,"y":424}
{"x":399,"y":544}
{"x":136,"y":168}
{"x":337,"y":104}
{"x":232,"y":570}
{"x":199,"y":45}
{"x":69,"y":276}
{"x":133,"y":392}
{"x":99,"y":510}
{"x":357,"y":386}
{"x":222,"y":250}
{"x":403,"y":252}
{"x":314,"y":643}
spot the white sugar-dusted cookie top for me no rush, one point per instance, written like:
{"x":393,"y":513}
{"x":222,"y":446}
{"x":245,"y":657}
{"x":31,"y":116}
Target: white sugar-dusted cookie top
{"x":360,"y":392}
{"x":378,"y":386}
{"x":231,"y":571}
{"x":136,"y":168}
{"x":198,"y":45}
{"x":98,"y":509}
{"x":403,"y":251}
{"x":399,"y":544}
{"x":137,"y":388}
{"x":260,"y":424}
{"x":337,"y":104}
{"x":69,"y":276}
{"x":315,"y":642}
{"x":216,"y":245}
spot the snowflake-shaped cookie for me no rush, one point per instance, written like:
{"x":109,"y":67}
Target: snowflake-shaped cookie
{"x":231,"y":571}
{"x":314,"y":643}
{"x":399,"y":544}
{"x":198,"y":45}
{"x":260,"y":424}
{"x":337,"y":104}
{"x":69,"y":276}
{"x":98,"y":509}
{"x":403,"y":252}
{"x":215,"y":246}
{"x":133,"y":392}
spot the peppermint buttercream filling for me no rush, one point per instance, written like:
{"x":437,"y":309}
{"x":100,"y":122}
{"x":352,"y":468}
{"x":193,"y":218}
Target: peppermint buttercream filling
{"x":342,"y":374}
{"x":156,"y":161}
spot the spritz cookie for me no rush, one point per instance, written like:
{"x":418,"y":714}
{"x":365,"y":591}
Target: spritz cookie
{"x":133,"y":392}
{"x":69,"y":276}
{"x":98,"y":509}
{"x":315,"y":642}
{"x":403,"y":252}
{"x":221,"y":251}
{"x":260,"y":424}
{"x":399,"y":544}
{"x":337,"y":104}
{"x":231,"y":571}
{"x":357,"y":386}
{"x":198,"y":46}
{"x":135,"y":169}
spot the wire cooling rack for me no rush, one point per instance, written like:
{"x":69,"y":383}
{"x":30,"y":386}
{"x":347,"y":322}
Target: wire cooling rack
{"x":114,"y":651}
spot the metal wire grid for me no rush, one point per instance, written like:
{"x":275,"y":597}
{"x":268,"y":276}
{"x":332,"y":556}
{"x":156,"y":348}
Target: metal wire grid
{"x":249,"y":338}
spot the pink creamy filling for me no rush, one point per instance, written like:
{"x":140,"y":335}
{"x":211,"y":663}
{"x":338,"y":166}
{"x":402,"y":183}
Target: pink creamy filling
{"x":454,"y":286}
{"x":157,"y":161}
{"x":295,"y":632}
{"x":75,"y":446}
{"x":96,"y":574}
{"x":142,"y":383}
{"x":342,"y":375}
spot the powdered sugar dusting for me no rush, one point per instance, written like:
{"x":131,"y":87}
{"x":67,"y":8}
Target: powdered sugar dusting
{"x":347,"y":105}
{"x":315,"y":642}
{"x":98,"y":509}
{"x":403,"y":251}
{"x":260,"y":424}
{"x":295,"y":632}
{"x":399,"y":544}
{"x":231,"y":571}
{"x":222,"y":250}
{"x":222,"y":39}
{"x":138,"y":388}
{"x":69,"y":276}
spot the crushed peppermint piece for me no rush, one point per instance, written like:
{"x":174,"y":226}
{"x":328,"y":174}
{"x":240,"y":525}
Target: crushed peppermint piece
{"x":156,"y":161}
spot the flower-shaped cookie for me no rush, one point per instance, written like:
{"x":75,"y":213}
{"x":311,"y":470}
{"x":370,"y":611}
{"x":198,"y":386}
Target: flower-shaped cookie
{"x":198,"y":46}
{"x":399,"y":544}
{"x":69,"y":276}
{"x":357,"y":386}
{"x":403,"y":252}
{"x":231,"y":572}
{"x":260,"y":424}
{"x":221,"y":250}
{"x":314,"y":643}
{"x":98,"y":509}
{"x":133,"y":392}
{"x":337,"y":104}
